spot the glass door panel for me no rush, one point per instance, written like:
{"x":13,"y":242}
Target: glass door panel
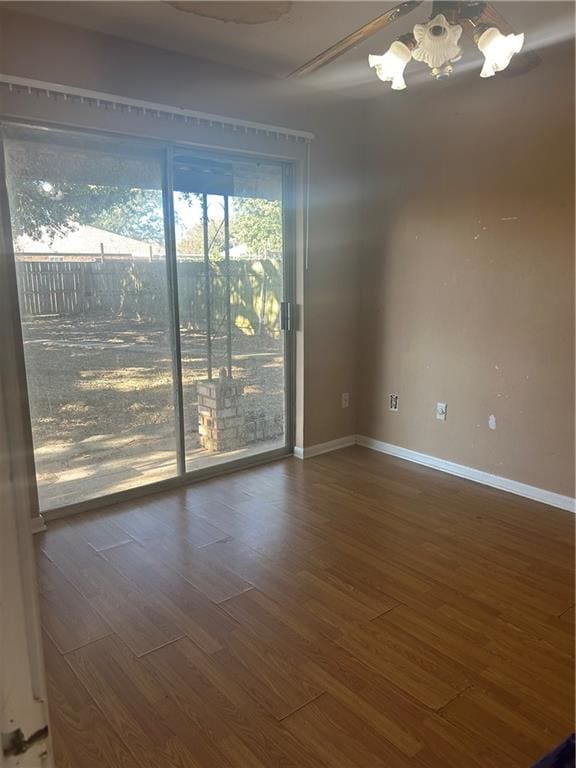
{"x":120,"y":394}
{"x":230,"y":265}
{"x":88,"y":229}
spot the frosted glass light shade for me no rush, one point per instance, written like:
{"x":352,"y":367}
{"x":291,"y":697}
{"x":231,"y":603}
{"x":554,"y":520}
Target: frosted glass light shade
{"x":498,"y":50}
{"x":437,"y":42}
{"x":391,"y":65}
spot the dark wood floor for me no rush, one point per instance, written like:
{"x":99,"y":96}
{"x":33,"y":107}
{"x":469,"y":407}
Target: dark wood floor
{"x":350,"y":611}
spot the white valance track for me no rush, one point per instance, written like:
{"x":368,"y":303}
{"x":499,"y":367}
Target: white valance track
{"x":109,"y":101}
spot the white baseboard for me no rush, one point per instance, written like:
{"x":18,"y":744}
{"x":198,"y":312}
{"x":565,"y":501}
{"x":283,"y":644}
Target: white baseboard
{"x":37,"y":524}
{"x":331,"y":445}
{"x":459,"y":470}
{"x":469,"y":473}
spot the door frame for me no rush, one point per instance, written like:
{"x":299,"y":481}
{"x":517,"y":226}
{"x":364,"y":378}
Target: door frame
{"x":289,"y":222}
{"x":24,"y":712}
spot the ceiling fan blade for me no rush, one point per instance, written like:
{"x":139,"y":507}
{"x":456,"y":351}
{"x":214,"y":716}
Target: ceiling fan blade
{"x":522,"y":62}
{"x":492,"y":17}
{"x":238,"y":11}
{"x":353,"y":39}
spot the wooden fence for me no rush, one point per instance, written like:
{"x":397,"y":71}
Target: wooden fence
{"x":132,"y":289}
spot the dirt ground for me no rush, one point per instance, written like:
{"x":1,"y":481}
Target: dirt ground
{"x":101,"y":398}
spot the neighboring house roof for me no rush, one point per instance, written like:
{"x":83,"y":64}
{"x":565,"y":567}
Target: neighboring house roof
{"x":91,"y":242}
{"x":88,"y":240}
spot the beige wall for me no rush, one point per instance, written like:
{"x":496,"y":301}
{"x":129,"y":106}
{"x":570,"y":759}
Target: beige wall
{"x":468,"y":284}
{"x":40,"y":49}
{"x":452,"y":281}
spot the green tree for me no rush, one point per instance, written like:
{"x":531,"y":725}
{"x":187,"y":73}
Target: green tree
{"x":40,"y":209}
{"x":137,"y":214}
{"x":192,"y":241}
{"x":258,"y":224}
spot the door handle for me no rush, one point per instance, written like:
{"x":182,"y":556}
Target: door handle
{"x":286,"y":316}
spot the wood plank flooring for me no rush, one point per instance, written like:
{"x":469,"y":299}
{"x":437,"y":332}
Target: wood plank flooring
{"x":350,"y":611}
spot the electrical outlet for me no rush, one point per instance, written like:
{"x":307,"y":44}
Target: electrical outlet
{"x":393,"y":402}
{"x":345,"y":398}
{"x":441,"y":411}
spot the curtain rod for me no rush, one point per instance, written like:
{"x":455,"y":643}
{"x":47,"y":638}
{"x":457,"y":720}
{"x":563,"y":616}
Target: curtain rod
{"x":98,"y":99}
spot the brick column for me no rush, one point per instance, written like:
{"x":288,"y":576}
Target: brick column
{"x":221,"y":413}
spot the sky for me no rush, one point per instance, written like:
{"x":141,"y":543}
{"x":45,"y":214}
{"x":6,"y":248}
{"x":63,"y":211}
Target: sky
{"x":189,"y":212}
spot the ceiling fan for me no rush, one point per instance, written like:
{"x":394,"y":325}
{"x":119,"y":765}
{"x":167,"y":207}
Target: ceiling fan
{"x":237,"y":11}
{"x":436,"y":42}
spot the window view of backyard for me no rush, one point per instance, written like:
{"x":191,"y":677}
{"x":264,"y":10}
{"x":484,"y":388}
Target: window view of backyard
{"x":89,"y":242}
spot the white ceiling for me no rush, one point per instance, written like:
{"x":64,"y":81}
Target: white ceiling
{"x":300,"y":31}
{"x":273,"y":47}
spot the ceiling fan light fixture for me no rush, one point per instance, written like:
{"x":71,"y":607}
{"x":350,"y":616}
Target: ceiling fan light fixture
{"x":391,"y":65}
{"x":437,"y":42}
{"x":498,"y":50}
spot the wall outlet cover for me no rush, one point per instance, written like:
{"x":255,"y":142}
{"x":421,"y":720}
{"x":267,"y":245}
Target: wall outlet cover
{"x":441,"y":411}
{"x":393,"y":402}
{"x":345,"y":399}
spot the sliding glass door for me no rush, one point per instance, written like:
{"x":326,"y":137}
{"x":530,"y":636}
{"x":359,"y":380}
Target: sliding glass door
{"x":230,"y":266}
{"x":151,"y":284}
